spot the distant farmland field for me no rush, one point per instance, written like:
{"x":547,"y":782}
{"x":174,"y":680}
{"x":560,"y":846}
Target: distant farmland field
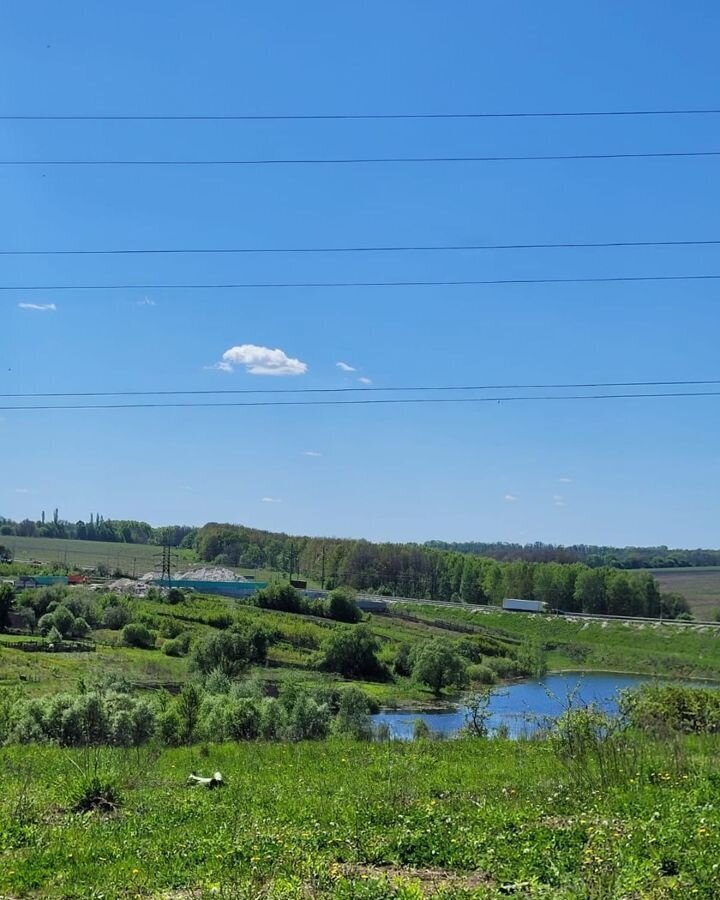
{"x":137,"y":558}
{"x":701,"y":586}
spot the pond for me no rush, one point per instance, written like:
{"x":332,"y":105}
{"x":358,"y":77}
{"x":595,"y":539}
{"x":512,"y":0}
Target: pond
{"x":522,"y":708}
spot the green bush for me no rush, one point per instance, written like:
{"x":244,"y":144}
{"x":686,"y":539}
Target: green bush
{"x":116,"y":617}
{"x":137,"y":635}
{"x":353,"y":716}
{"x":228,"y":651}
{"x":342,"y":607}
{"x":481,"y":674}
{"x":663,"y":708}
{"x":179,"y":646}
{"x":352,"y":653}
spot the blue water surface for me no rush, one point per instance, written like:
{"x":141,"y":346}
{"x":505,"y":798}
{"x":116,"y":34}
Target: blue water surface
{"x":522,"y":708}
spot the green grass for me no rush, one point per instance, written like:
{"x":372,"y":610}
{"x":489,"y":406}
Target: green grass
{"x":458,"y":819}
{"x":644,"y":649}
{"x":139,"y":558}
{"x":641,"y":648}
{"x":701,"y":587}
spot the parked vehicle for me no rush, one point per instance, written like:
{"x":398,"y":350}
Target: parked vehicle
{"x":533,"y":606}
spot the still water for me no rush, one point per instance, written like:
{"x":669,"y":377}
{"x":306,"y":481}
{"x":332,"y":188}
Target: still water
{"x":522,"y":708}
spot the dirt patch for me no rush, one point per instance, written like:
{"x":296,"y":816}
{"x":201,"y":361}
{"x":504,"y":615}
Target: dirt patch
{"x":430,"y":880}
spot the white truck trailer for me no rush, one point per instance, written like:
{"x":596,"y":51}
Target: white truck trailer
{"x":514,"y":605}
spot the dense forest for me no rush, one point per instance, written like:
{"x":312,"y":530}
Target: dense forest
{"x":411,"y":570}
{"x":575,"y":579}
{"x":132,"y":531}
{"x":617,"y":557}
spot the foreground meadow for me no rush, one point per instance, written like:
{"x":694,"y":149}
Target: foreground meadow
{"x":457,"y":819}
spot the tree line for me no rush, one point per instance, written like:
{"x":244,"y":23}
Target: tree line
{"x":134,"y":531}
{"x":660,"y":557}
{"x":423,"y":572}
{"x":98,"y":528}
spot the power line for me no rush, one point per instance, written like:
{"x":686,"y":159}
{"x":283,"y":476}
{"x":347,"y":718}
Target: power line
{"x":354,"y":284}
{"x":348,"y":390}
{"x":673,"y":154}
{"x":309,"y":117}
{"x":397,"y":248}
{"x":381,"y":402}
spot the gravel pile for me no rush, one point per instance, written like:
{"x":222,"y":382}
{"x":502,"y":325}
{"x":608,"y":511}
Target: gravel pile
{"x":209,"y":573}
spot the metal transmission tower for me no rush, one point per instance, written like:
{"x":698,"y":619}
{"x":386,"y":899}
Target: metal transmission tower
{"x":165,"y":565}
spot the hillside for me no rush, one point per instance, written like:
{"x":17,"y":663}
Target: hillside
{"x":298,"y":638}
{"x":700,"y":586}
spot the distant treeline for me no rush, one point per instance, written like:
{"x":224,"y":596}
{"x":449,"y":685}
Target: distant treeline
{"x":119,"y":531}
{"x":132,"y":531}
{"x":591,"y":555}
{"x":422,"y":572}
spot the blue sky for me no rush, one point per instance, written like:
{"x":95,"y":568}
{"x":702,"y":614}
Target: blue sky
{"x":619,"y":472}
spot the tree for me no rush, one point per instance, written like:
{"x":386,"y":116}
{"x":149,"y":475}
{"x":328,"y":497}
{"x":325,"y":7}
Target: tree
{"x":353,"y":653}
{"x":136,"y":635}
{"x":590,"y":591}
{"x":228,"y":651}
{"x":342,"y":606}
{"x":7,"y":601}
{"x":353,"y":715}
{"x":187,"y":707}
{"x":438,"y":665}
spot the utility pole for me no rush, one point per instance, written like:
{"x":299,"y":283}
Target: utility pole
{"x":322,"y":571}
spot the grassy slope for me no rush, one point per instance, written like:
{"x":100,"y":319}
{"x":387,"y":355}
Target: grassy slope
{"x":642,"y":648}
{"x":144,"y":557}
{"x":701,"y":587}
{"x":570,"y":645}
{"x":363,"y":822}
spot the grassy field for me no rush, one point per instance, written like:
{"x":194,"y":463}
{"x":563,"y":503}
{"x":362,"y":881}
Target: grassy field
{"x":600,"y":646}
{"x":138,"y":558}
{"x":458,"y":820}
{"x":131,"y":559}
{"x":701,"y":587}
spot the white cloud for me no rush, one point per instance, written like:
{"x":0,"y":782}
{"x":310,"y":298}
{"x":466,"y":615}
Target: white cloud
{"x":39,"y":307}
{"x":261,"y":361}
{"x":365,"y":380}
{"x":565,"y":480}
{"x":312,"y":453}
{"x":560,"y":503}
{"x":558,"y":497}
{"x":22,"y":490}
{"x":270,"y":500}
{"x":146,"y":301}
{"x":345,"y":367}
{"x":511,"y":498}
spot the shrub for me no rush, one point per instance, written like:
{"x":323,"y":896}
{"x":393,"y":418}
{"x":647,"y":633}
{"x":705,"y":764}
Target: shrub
{"x":504,"y":667}
{"x":174,"y":596}
{"x":280,"y":596}
{"x":402,"y":663}
{"x":481,"y":674}
{"x":137,"y":635}
{"x":171,"y":628}
{"x":179,"y":646}
{"x":342,"y":606}
{"x":80,"y":628}
{"x":228,"y":651}
{"x":353,"y":715}
{"x":663,"y":708}
{"x":116,"y":617}
{"x":353,"y":654}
